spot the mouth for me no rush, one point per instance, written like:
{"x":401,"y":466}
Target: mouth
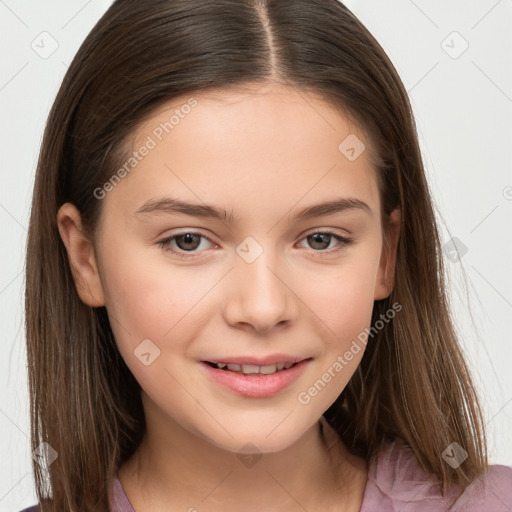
{"x":256,"y":380}
{"x":250,"y":369}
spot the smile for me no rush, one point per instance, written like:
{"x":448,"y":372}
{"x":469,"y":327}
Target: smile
{"x":254,"y":381}
{"x":251,"y":369}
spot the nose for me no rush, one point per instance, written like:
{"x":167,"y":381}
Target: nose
{"x":260,"y":295}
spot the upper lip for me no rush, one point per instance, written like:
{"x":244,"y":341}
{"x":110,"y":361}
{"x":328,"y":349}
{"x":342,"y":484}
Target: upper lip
{"x":257,"y":361}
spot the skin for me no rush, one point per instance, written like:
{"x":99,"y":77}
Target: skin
{"x":262,"y":153}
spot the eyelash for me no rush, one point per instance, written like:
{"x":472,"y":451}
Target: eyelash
{"x":344,"y":242}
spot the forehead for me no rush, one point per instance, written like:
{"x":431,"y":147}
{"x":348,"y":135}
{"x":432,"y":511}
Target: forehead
{"x":258,"y":109}
{"x":272,"y":142}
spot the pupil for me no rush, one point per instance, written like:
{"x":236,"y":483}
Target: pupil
{"x":317,"y":239}
{"x":188,"y":237}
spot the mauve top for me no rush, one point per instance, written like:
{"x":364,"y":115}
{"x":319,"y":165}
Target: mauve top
{"x":396,"y":483}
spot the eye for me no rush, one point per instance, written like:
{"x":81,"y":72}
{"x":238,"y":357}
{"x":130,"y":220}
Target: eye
{"x":321,"y":240}
{"x":187,"y":242}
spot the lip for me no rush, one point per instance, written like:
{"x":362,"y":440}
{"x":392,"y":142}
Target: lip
{"x":255,"y":385}
{"x":259,"y":361}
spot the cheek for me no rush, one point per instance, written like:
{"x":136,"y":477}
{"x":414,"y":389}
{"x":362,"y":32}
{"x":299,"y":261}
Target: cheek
{"x":341,"y":297}
{"x":342,"y":301}
{"x":148,"y":297}
{"x":344,"y":311}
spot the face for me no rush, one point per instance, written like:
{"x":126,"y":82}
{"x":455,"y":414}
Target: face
{"x":269,"y":281}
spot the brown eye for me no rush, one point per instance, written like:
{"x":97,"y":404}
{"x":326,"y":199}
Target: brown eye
{"x":187,"y":242}
{"x":321,"y":240}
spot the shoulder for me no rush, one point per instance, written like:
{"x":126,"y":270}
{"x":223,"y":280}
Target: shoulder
{"x":493,"y":492}
{"x":396,"y":480}
{"x":34,"y":508}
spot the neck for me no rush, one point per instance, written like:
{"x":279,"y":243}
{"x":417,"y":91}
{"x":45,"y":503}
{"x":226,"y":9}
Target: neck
{"x":174,"y":466}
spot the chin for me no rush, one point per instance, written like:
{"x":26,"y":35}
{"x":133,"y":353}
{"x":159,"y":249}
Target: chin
{"x":255,"y":438}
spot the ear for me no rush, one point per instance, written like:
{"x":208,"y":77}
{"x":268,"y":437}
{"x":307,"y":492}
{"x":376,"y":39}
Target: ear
{"x":81,"y":256}
{"x":386,"y":273}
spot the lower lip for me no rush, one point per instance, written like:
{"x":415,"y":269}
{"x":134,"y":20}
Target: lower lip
{"x":256,"y":385}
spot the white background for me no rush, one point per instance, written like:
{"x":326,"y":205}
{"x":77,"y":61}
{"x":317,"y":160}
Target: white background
{"x":463,"y":108}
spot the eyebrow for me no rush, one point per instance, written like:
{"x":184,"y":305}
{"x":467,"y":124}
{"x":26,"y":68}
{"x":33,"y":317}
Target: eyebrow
{"x":168,"y":205}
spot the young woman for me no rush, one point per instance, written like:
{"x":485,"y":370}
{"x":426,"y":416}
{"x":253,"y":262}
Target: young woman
{"x":235,"y":294}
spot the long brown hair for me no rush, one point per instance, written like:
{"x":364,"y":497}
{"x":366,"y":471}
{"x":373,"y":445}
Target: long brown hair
{"x":412,"y":382}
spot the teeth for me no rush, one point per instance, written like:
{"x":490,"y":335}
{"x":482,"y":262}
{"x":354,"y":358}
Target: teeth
{"x":267,"y":370}
{"x":250,"y":368}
